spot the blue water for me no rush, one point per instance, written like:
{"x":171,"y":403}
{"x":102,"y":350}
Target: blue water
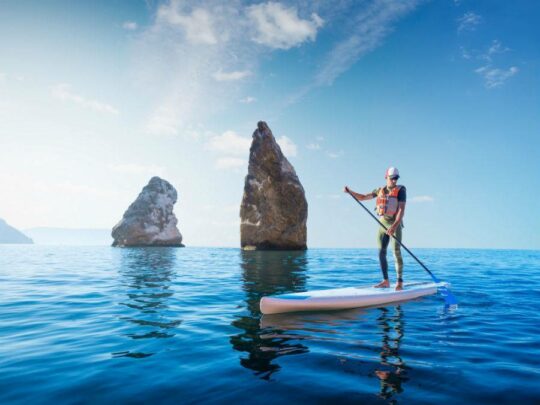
{"x":166,"y":325}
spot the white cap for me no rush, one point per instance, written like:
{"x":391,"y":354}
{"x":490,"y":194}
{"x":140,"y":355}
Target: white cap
{"x":391,"y":172}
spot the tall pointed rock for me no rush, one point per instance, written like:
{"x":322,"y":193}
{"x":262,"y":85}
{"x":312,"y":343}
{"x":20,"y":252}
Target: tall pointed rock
{"x":149,"y":220}
{"x":274,"y":209}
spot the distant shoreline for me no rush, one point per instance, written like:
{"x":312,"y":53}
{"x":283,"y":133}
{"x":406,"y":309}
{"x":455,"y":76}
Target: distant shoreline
{"x":238,"y":248}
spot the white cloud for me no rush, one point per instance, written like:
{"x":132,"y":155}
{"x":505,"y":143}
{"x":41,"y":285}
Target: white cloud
{"x":221,"y":76}
{"x":198,"y":25}
{"x":177,"y":64}
{"x":163,"y":122}
{"x":316,"y":145}
{"x":4,"y":77}
{"x":131,"y":168}
{"x":229,"y":143}
{"x":469,"y":21}
{"x":129,"y":25}
{"x":497,"y":47}
{"x":248,"y":100}
{"x":465,"y":54}
{"x":182,"y":77}
{"x":233,"y":149}
{"x":495,"y":77}
{"x":171,"y":119}
{"x":230,"y":163}
{"x":280,"y":27}
{"x":368,"y":29}
{"x":68,"y":188}
{"x":335,"y":155}
{"x":492,"y":75}
{"x":422,"y":199}
{"x":63,"y":92}
{"x":287,"y":146}
{"x":83,"y":189}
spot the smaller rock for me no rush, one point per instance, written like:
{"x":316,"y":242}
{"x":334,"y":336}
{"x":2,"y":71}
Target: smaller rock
{"x":149,"y":220}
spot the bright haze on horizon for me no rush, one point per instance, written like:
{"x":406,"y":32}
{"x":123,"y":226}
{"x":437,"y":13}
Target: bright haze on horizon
{"x":98,"y":97}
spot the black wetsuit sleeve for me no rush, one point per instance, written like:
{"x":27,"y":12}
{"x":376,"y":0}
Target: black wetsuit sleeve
{"x":402,"y":195}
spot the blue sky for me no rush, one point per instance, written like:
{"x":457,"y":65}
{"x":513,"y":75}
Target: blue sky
{"x":97,"y":97}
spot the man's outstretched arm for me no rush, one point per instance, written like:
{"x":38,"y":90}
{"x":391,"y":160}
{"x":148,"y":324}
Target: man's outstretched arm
{"x":361,"y":197}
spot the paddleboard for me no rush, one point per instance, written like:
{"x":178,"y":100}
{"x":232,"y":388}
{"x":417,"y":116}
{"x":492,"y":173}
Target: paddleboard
{"x":345,"y":298}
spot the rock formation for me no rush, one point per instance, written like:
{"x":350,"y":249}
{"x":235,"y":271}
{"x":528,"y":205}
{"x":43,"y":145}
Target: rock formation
{"x":8,"y":234}
{"x":149,"y":220}
{"x":274,"y":209}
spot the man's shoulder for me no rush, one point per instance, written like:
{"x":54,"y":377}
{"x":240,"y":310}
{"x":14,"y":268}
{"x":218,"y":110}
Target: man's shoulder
{"x":402,"y":193}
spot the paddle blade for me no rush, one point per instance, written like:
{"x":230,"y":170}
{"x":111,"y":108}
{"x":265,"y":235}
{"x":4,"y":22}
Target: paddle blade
{"x":449,"y":298}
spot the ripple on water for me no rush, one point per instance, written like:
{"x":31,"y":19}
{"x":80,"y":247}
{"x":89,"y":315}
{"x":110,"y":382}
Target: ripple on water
{"x":94,"y":324}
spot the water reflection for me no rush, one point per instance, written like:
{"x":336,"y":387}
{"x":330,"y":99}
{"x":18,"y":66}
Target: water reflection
{"x":392,"y":371}
{"x":267,"y":273}
{"x":147,"y":275}
{"x":354,"y":327}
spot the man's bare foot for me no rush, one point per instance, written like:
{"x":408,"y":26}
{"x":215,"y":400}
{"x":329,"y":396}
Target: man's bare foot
{"x":383,"y":284}
{"x":399,"y":286}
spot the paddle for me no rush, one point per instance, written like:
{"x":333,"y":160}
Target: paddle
{"x":445,"y":292}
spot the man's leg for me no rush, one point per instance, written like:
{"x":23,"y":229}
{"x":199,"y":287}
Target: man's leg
{"x":382,"y":241}
{"x":398,"y":259}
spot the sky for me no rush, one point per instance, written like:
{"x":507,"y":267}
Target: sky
{"x":98,"y":97}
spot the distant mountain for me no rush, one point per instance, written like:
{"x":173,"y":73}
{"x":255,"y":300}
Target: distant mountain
{"x":69,"y":236}
{"x":8,"y":234}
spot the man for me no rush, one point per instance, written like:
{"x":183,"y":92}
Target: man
{"x":390,"y":207}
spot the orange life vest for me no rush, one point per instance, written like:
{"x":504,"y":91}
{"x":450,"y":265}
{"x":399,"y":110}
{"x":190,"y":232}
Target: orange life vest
{"x":387,"y":204}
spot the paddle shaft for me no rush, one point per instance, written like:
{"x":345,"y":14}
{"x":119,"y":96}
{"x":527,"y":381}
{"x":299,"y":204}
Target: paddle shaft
{"x":396,"y":239}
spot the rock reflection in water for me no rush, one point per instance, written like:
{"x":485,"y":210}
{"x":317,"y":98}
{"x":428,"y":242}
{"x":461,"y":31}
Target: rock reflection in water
{"x":267,"y":273}
{"x":392,"y":372}
{"x":147,"y":274}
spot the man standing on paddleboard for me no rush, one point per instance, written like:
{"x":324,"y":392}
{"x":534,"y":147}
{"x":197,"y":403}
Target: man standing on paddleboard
{"x":390,"y":208}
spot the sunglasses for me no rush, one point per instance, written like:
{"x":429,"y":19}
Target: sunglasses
{"x":394,"y":178}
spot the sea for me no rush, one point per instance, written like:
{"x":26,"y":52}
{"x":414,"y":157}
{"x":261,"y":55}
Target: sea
{"x":98,"y":325}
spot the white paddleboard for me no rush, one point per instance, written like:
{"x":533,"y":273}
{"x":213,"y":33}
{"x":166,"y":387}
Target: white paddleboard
{"x":345,"y":298}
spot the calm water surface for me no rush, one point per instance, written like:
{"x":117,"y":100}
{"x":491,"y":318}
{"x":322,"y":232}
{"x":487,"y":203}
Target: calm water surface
{"x":165,"y":325}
